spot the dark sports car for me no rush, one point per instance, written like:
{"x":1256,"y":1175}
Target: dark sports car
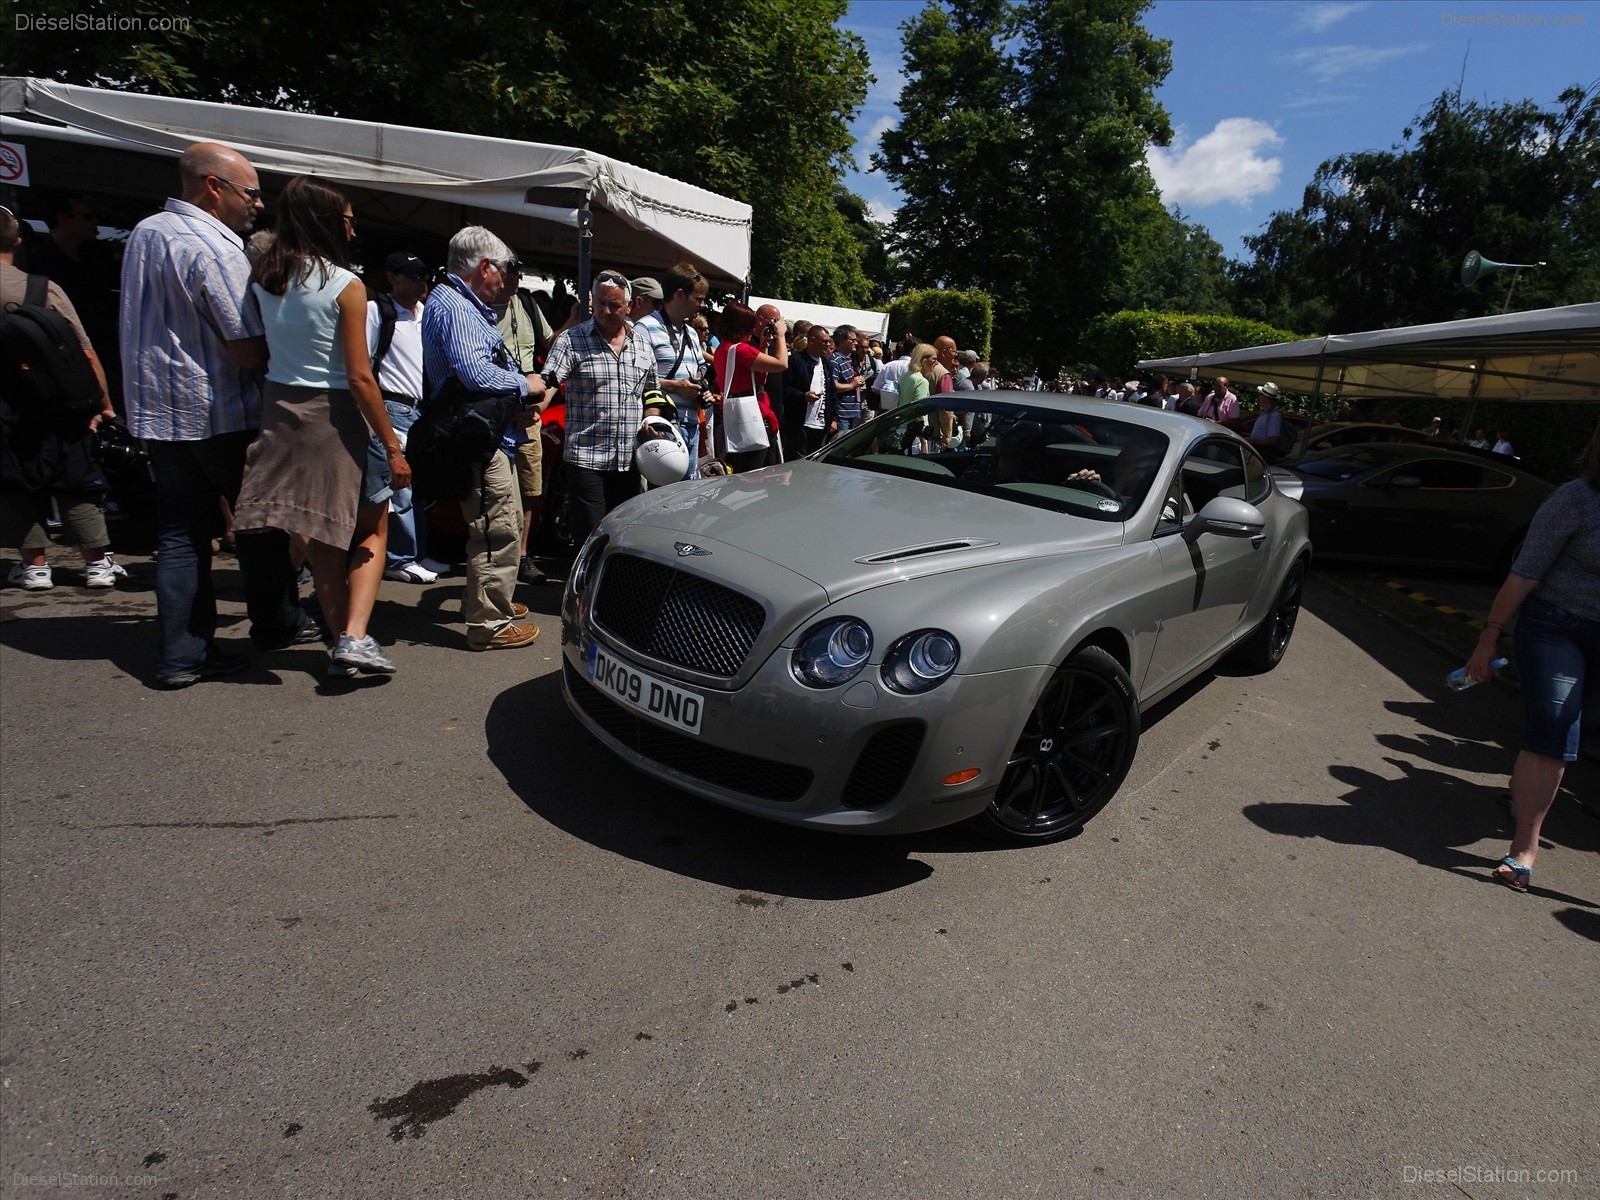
{"x":1391,"y":502}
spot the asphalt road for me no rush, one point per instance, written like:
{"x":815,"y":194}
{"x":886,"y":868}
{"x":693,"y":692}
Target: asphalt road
{"x":421,"y":937}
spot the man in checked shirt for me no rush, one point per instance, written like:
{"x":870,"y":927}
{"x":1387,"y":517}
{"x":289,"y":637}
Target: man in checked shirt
{"x":610,"y":373}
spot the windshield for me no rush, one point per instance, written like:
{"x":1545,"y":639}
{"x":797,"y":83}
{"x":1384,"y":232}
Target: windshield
{"x":1076,"y":462}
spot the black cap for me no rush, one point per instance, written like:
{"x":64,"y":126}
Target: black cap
{"x":403,"y":262}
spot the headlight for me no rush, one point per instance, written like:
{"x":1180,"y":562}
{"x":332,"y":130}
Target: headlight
{"x":587,"y":558}
{"x":832,"y":653}
{"x":920,"y":661}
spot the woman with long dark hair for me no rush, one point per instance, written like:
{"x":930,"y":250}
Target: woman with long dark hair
{"x":307,"y":471}
{"x":1554,"y":592}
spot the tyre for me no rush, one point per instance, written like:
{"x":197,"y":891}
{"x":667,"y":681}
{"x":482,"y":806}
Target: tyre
{"x":1072,"y":755}
{"x":1264,"y":649}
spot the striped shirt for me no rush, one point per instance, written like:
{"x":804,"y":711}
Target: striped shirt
{"x":605,"y":393}
{"x":185,"y":296}
{"x":459,"y":339}
{"x":666,"y":341}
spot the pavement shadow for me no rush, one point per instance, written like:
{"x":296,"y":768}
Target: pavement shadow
{"x":1427,"y":815}
{"x":566,"y":777}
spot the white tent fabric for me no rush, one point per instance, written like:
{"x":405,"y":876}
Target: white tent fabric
{"x":875,"y":323}
{"x":1549,"y":354}
{"x":640,"y":218}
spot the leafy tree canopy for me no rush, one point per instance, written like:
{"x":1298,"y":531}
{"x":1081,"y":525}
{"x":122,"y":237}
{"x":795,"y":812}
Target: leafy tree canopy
{"x":1020,"y":152}
{"x":1380,"y":235}
{"x":752,"y":100}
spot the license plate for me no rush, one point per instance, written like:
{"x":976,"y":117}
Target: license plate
{"x":655,"y":698}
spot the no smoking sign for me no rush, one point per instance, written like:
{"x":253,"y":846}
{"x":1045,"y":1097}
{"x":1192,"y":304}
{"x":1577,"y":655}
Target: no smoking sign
{"x":13,"y":164}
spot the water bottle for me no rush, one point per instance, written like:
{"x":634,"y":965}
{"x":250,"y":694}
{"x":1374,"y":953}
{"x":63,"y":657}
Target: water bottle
{"x":1457,"y":680}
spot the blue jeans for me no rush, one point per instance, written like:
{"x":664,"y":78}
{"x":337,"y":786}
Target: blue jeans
{"x":1558,"y":662}
{"x":190,"y":478}
{"x":408,"y":536}
{"x":689,"y":426}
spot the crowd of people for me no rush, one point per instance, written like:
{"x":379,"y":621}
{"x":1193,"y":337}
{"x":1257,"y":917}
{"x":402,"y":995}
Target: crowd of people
{"x":274,"y":392}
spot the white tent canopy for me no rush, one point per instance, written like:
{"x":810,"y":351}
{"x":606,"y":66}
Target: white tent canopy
{"x":536,"y":197}
{"x":875,"y":323}
{"x":1547,"y":354}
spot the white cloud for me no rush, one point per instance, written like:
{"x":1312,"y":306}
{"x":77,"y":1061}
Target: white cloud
{"x":1325,"y":64}
{"x":869,"y":143}
{"x":880,"y":212}
{"x":1226,"y":164}
{"x":1319,"y":18}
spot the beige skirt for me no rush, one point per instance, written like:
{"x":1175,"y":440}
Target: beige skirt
{"x":304,"y":472}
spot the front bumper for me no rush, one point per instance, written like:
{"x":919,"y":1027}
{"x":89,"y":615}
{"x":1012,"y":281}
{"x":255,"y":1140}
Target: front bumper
{"x":858,"y":758}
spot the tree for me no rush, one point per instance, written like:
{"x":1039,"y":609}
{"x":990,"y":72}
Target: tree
{"x":752,"y":100}
{"x":1380,"y":235}
{"x":1020,"y":153}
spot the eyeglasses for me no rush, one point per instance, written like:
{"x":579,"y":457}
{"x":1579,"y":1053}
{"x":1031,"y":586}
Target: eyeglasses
{"x":350,"y":220}
{"x":511,"y":268}
{"x":250,"y":193}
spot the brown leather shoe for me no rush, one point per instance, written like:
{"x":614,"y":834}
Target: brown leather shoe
{"x":508,"y":638}
{"x":518,"y":611}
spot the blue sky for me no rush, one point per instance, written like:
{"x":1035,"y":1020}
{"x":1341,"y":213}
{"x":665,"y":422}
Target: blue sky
{"x":1263,"y":91}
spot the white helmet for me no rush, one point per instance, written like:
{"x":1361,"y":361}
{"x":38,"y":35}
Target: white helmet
{"x":660,"y":452}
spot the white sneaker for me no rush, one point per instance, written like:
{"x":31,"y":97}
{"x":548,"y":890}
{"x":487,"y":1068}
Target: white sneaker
{"x":103,"y":573}
{"x":434,"y":565}
{"x":411,"y":573}
{"x":31,"y":579}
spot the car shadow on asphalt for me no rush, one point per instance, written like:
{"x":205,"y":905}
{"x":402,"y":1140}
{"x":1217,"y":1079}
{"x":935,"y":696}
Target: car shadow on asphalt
{"x":1429,"y":811}
{"x":568,"y":778}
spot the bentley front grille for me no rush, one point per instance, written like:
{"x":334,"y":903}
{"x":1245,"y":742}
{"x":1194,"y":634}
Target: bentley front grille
{"x":676,"y":617}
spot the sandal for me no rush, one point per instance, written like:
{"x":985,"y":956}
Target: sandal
{"x":1513,"y":874}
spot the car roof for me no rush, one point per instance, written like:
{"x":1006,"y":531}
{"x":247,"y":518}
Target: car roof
{"x":1415,"y":450}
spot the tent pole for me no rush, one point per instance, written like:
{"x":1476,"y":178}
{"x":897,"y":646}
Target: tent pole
{"x":585,"y":253}
{"x":1316,"y":390}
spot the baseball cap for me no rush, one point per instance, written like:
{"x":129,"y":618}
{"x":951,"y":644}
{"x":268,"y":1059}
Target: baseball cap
{"x":646,"y":286}
{"x":403,"y":262}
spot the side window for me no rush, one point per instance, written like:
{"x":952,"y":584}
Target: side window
{"x":1256,"y":484}
{"x":1172,"y":512}
{"x":1443,"y":473}
{"x":1495,"y":479}
{"x":1213,"y":468}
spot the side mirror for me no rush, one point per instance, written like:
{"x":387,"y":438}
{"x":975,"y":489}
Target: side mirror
{"x":1405,"y":481}
{"x":1228,"y":516}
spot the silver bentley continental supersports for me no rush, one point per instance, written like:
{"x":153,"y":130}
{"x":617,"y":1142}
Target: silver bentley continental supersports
{"x":956,"y":610}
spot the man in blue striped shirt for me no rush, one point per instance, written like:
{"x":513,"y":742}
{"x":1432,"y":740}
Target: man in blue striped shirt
{"x":192,"y":356}
{"x":460,"y":340}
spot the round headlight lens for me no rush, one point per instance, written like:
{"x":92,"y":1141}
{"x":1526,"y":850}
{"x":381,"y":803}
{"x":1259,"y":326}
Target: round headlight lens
{"x":920,"y":661}
{"x":832,"y":653}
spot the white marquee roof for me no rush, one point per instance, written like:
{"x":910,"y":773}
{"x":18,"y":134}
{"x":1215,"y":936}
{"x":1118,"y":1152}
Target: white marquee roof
{"x":1547,"y":354}
{"x":430,"y":179}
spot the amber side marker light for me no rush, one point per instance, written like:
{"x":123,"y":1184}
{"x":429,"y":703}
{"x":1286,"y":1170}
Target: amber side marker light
{"x":966,"y":776}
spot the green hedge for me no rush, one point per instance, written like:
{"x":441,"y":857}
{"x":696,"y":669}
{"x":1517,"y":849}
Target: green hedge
{"x":1113,"y":343}
{"x":966,"y":316}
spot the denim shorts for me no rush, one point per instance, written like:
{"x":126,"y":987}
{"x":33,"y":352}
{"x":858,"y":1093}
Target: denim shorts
{"x":1558,"y":662}
{"x":375,"y":478}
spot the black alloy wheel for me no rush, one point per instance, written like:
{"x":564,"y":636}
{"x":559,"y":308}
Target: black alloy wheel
{"x":1264,"y":649}
{"x":1074,"y":752}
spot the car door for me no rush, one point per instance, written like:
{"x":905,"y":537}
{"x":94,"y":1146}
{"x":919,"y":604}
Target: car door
{"x":1207,"y":579}
{"x":1423,"y":508}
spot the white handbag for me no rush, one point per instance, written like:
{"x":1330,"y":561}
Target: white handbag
{"x":742,"y":426}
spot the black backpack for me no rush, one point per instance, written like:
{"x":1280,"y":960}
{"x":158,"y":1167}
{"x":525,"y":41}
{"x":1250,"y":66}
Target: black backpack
{"x":43,"y":364}
{"x":452,"y":441}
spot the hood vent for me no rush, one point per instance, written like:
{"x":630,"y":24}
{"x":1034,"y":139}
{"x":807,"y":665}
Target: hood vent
{"x":923,"y":551}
